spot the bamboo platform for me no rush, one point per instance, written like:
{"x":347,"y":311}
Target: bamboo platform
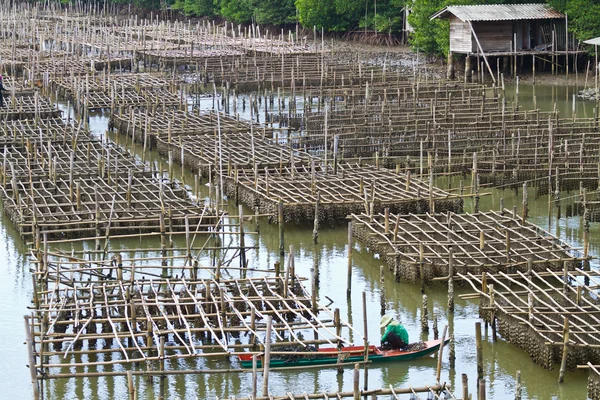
{"x":502,"y":149}
{"x":145,"y":126}
{"x":188,"y":56}
{"x":59,"y":182}
{"x":18,"y":132}
{"x":157,"y":321}
{"x":552,"y":315}
{"x":210,"y":153}
{"x":28,"y":107}
{"x":333,"y":193}
{"x":107,"y":82}
{"x":130,"y":98}
{"x":119,"y":206}
{"x":427,"y":246}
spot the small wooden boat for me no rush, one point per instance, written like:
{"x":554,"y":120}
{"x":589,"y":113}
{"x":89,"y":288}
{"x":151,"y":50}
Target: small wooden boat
{"x":352,"y":354}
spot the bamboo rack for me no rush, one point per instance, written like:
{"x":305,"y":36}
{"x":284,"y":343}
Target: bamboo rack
{"x":554,"y":317}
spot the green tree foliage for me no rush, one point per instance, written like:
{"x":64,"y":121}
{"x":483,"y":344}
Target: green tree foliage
{"x":275,"y":12}
{"x":205,"y":8}
{"x":427,"y":31}
{"x":239,"y":11}
{"x":271,"y":12}
{"x":317,"y":13}
{"x":584,"y":16}
{"x":390,"y":16}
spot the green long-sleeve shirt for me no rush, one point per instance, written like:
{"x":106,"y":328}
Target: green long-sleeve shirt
{"x":398,"y":330}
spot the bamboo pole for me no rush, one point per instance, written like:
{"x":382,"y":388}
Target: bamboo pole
{"x":563,"y":363}
{"x":267,"y":357}
{"x":31,"y":357}
{"x":350,"y":245}
{"x":478,"y":346}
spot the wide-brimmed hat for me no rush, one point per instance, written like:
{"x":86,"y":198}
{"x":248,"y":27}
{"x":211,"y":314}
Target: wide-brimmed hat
{"x":386,"y":320}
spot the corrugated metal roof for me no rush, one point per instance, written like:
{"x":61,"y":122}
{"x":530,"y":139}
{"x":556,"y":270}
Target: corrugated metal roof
{"x":499,"y":12}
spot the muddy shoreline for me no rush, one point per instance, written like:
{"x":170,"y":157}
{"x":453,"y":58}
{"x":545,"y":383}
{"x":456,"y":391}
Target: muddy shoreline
{"x":404,"y":58}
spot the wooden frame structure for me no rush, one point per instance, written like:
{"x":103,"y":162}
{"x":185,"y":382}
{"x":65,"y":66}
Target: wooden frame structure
{"x":552,"y":315}
{"x":428,"y":246}
{"x":330,"y":194}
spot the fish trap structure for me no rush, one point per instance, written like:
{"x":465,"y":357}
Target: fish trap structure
{"x":172,"y":58}
{"x":453,"y":131}
{"x":316,"y":192}
{"x":108,"y":90}
{"x":107,"y":82}
{"x":145,"y":125}
{"x":422,"y":247}
{"x":138,"y":317}
{"x":58,"y":182}
{"x":554,"y":316}
{"x":28,"y":107}
{"x":37,"y":69}
{"x":155,"y":98}
{"x":212,"y":153}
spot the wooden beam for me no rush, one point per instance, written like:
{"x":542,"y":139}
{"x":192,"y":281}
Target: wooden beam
{"x":482,"y":52}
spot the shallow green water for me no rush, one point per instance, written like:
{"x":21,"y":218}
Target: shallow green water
{"x":502,"y":360}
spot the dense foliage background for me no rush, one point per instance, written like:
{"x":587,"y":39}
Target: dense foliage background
{"x":382,"y":16}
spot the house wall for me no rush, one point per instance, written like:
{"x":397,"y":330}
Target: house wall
{"x":493,"y":36}
{"x":497,"y":36}
{"x":461,"y":40}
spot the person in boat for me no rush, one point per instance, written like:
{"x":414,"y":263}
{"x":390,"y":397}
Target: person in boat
{"x":395,"y":334}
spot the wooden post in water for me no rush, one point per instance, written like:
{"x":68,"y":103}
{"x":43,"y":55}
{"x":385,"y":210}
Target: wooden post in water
{"x":313,"y":294}
{"x":563,"y":363}
{"x":267,"y":357}
{"x":451,"y":280}
{"x":163,"y":377}
{"x":492,"y":312}
{"x":482,"y":389}
{"x":350,"y":244}
{"x":131,"y":386}
{"x":479,"y":350}
{"x":337,"y":322}
{"x":565,"y":278}
{"x":424,"y":316}
{"x":254,"y":375}
{"x":465,"y":387}
{"x":366,"y":338}
{"x":356,"y":388}
{"x":316,"y":220}
{"x":288,"y":267}
{"x":441,"y":353}
{"x":280,"y":222}
{"x":31,"y":358}
{"x":242,"y":239}
{"x":518,"y":389}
